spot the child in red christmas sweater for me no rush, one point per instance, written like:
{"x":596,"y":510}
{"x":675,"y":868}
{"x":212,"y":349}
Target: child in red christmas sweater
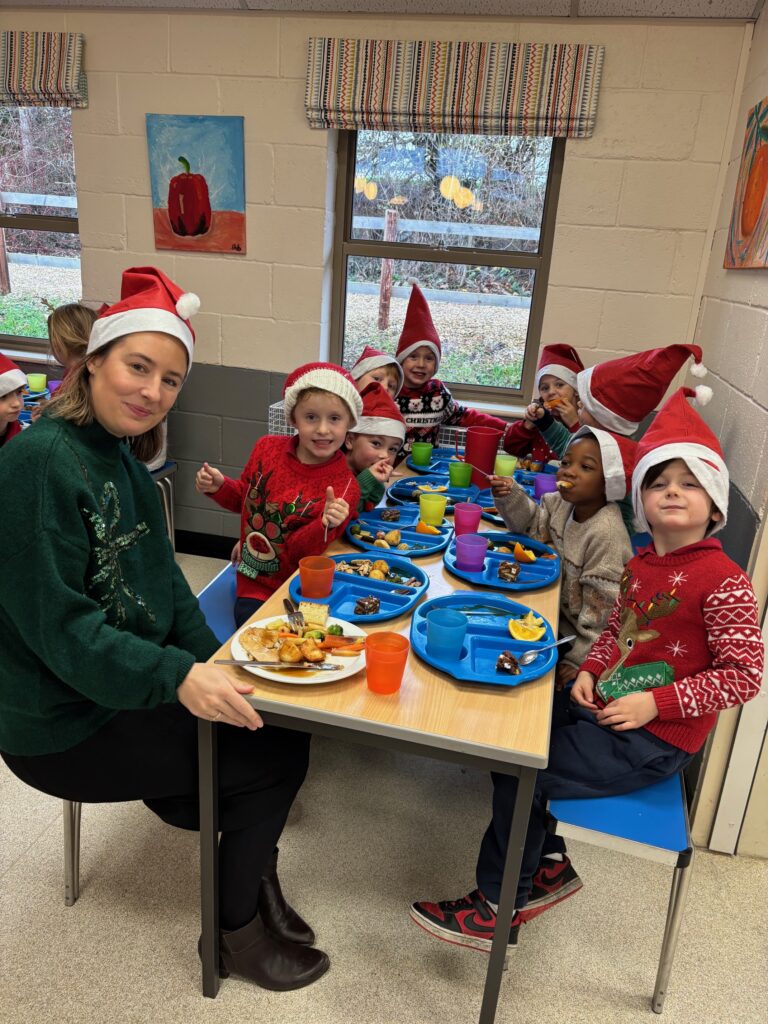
{"x":12,"y":384}
{"x":295,"y":494}
{"x":682,"y":643}
{"x":555,"y":382}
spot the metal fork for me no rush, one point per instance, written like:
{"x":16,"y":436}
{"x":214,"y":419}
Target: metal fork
{"x":295,"y":617}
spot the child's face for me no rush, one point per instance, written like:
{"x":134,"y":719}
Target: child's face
{"x":367,"y":449}
{"x":582,"y":466}
{"x":10,"y":407}
{"x":587,"y":419}
{"x":677,"y":505}
{"x":551,"y":387}
{"x":387,"y":376}
{"x":419,"y":367}
{"x":322,"y":420}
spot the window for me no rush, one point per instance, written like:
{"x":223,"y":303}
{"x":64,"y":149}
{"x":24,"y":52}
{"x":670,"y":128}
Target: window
{"x":470,"y":218}
{"x":39,"y":240}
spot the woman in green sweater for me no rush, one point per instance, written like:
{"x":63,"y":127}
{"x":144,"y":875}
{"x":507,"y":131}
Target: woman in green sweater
{"x":102,"y":675}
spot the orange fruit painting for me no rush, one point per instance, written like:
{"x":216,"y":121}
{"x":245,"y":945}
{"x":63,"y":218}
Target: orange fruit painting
{"x":747,"y":245}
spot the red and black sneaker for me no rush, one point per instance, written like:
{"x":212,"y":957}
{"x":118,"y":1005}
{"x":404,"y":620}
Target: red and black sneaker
{"x":466,"y":922}
{"x":554,"y":881}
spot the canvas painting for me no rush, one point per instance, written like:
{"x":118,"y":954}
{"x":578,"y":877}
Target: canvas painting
{"x":197,"y":171}
{"x":747,"y":245}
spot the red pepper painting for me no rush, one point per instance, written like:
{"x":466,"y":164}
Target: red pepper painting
{"x":189,"y":205}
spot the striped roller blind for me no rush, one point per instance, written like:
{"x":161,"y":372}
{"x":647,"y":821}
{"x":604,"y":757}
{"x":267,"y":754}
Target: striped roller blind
{"x":477,"y":88}
{"x":42,"y":69}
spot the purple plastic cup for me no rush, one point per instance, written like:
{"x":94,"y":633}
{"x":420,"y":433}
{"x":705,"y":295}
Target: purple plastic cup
{"x":470,"y":552}
{"x":466,"y":517}
{"x":53,"y":385}
{"x":544,"y":483}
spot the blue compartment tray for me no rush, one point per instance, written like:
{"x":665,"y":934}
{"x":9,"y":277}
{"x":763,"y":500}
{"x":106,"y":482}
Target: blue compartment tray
{"x":533,"y":575}
{"x":429,"y":544}
{"x":438,"y":463}
{"x":348,"y":588}
{"x":487,"y":636}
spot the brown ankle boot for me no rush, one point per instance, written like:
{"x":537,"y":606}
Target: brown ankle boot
{"x":278,"y":917}
{"x":254,"y":953}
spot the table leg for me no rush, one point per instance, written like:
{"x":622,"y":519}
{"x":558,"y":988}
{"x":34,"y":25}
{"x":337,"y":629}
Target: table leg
{"x":209,"y":854}
{"x":509,"y":882}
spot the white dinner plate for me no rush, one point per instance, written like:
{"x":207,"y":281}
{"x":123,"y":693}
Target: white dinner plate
{"x":303,"y":677}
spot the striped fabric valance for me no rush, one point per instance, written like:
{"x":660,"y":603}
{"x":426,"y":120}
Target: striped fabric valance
{"x":477,"y":88}
{"x":42,"y":69}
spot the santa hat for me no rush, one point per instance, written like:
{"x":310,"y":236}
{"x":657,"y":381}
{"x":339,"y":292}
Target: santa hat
{"x":326,"y":377}
{"x":418,"y":328}
{"x":622,"y":392}
{"x":678,"y":432}
{"x":149,"y":301}
{"x":373,"y":359}
{"x":11,"y":377}
{"x":380,"y":414}
{"x":618,"y":455}
{"x":561,"y":361}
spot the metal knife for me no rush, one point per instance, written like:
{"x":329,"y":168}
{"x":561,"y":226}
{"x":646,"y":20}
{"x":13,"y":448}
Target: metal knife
{"x":280,"y":665}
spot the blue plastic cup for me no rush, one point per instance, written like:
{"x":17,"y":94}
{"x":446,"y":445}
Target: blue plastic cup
{"x":445,"y":633}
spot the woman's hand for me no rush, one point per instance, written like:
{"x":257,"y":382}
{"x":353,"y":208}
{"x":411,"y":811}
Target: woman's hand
{"x":583,"y":691}
{"x":630,"y":712}
{"x":500,"y":485}
{"x":336,"y":510}
{"x":382,"y":470}
{"x":210,"y":693}
{"x":208,"y":479}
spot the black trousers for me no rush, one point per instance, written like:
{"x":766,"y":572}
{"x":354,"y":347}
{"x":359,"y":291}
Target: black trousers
{"x":152,"y":756}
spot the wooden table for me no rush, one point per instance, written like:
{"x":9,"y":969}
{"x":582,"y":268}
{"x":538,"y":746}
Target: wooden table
{"x":504,"y":729}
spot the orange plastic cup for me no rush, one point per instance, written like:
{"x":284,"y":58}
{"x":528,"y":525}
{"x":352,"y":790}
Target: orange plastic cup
{"x":385,"y":658}
{"x":316,"y":575}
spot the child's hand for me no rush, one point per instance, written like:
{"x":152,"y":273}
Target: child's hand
{"x":630,"y":712}
{"x":501,"y":486}
{"x":583,"y":691}
{"x":234,"y":556}
{"x":208,"y":479}
{"x":564,"y":673}
{"x":567,"y":412}
{"x":336,"y":510}
{"x":382,"y":470}
{"x":532,"y":413}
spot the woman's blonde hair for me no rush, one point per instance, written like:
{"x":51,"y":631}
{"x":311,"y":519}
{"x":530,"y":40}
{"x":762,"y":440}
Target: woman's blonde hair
{"x":73,"y":402}
{"x":69,"y":328}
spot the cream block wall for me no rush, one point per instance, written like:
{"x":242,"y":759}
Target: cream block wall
{"x":635,"y":204}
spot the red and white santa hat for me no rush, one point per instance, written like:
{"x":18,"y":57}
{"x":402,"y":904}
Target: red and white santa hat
{"x":561,"y":361}
{"x":326,"y":377}
{"x":622,"y":392}
{"x":678,"y":432}
{"x":372,"y":359}
{"x":618,"y":455}
{"x":380,"y":414}
{"x":418,"y":329}
{"x":11,"y":377}
{"x":149,"y":301}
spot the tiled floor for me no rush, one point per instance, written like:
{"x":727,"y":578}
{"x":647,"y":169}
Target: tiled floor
{"x":352,"y":857}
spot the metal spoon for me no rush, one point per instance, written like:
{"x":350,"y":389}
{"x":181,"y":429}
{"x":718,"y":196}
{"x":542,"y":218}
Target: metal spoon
{"x":528,"y":656}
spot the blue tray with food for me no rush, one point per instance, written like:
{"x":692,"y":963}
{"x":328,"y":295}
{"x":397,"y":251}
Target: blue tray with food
{"x":438,"y":463}
{"x":499,"y":631}
{"x":372,"y":589}
{"x":513,"y":562}
{"x":399,"y":531}
{"x":410,"y":488}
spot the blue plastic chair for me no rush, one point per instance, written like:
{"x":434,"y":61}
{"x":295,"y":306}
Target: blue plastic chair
{"x":650,"y":823}
{"x":217,"y":603}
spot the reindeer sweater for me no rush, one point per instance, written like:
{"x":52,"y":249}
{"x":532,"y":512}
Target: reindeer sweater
{"x":281,"y":502}
{"x":592,"y":554}
{"x":695,"y":610}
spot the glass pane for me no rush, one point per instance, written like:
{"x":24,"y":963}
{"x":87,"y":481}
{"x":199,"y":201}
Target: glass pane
{"x":472,"y":191}
{"x":44,"y":272}
{"x":37,"y":167}
{"x":481,"y":315}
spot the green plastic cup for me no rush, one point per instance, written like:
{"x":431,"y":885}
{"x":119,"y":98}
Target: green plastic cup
{"x":421,"y":453}
{"x":460,"y":473}
{"x":504,"y":465}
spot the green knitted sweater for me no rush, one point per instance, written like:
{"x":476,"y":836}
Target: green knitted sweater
{"x":95,"y":615}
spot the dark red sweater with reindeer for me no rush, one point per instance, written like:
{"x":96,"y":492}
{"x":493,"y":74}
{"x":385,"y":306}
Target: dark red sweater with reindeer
{"x":695,"y":610}
{"x":281,"y":502}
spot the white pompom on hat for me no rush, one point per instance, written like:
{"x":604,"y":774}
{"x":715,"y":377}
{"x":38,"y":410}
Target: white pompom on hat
{"x":11,"y":377}
{"x":149,"y":301}
{"x":380,"y":414}
{"x":325,"y":377}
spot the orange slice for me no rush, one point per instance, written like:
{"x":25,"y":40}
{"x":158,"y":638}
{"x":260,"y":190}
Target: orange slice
{"x":422,"y":527}
{"x":523,"y":554}
{"x":520,"y":630}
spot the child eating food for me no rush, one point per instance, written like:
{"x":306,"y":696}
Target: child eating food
{"x":372,"y":445}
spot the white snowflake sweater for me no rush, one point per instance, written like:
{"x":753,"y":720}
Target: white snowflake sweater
{"x":695,"y":610}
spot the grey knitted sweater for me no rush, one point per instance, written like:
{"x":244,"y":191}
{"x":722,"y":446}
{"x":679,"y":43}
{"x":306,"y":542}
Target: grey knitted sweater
{"x":592,"y":555}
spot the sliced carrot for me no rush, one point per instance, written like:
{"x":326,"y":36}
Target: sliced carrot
{"x":286,"y":635}
{"x":332,"y":642}
{"x":355,"y":648}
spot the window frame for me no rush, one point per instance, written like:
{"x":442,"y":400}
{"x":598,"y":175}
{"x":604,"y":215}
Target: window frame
{"x":344,"y":246}
{"x":34,"y":222}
